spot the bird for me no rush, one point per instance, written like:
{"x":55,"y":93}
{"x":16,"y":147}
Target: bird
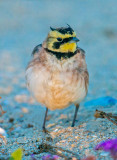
{"x":57,"y":75}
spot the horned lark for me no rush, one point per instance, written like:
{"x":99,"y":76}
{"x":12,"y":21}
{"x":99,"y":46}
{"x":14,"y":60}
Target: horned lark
{"x":57,"y":75}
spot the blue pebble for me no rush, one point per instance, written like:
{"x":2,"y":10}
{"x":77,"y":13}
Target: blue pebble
{"x":102,"y":101}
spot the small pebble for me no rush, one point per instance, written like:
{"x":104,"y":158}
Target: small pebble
{"x":25,"y":110}
{"x":11,"y":120}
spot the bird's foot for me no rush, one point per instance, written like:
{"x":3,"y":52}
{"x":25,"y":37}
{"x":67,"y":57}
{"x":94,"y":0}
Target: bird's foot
{"x":72,"y":125}
{"x":45,"y":130}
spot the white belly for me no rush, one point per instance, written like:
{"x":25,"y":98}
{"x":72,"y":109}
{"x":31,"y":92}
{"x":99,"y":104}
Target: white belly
{"x":56,"y":90}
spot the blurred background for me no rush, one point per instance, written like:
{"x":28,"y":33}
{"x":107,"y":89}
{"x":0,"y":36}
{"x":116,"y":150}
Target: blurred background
{"x":26,"y":23}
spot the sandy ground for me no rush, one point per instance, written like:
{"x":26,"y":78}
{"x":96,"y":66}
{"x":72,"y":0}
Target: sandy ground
{"x":23,"y":25}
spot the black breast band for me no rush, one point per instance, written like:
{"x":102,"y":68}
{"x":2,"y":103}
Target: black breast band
{"x":60,"y":55}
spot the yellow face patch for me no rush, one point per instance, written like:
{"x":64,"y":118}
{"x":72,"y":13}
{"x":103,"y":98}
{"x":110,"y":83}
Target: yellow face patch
{"x":64,"y":47}
{"x":57,"y":34}
{"x":68,"y":47}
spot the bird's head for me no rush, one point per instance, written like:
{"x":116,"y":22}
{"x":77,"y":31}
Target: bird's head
{"x":62,"y":40}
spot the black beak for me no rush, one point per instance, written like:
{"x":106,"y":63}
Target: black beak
{"x":75,"y":39}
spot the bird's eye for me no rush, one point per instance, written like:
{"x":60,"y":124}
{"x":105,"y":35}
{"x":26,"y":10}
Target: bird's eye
{"x":59,"y":39}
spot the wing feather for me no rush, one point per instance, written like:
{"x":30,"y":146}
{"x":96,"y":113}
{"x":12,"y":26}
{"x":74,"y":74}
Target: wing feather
{"x":37,"y":49}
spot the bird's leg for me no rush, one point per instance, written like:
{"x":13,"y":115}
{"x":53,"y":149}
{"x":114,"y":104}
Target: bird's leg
{"x":77,"y":107}
{"x":44,"y":129}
